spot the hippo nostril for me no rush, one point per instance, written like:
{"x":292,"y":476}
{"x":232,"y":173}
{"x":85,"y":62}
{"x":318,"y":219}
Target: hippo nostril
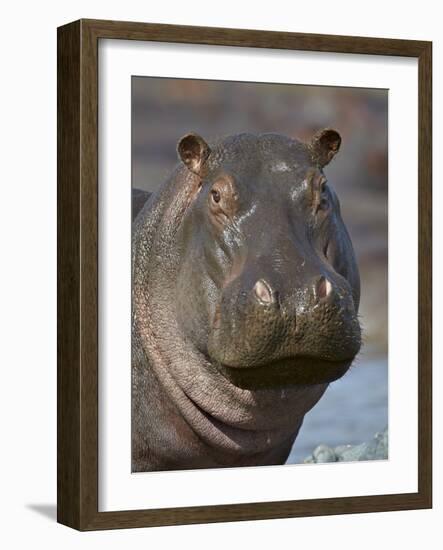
{"x":263,"y":291}
{"x":323,"y":288}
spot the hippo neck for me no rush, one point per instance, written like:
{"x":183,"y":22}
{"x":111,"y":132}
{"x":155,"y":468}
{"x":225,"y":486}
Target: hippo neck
{"x":223,"y":416}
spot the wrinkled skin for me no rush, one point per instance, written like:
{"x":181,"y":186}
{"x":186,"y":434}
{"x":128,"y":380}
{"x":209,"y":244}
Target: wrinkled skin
{"x":245,"y":302}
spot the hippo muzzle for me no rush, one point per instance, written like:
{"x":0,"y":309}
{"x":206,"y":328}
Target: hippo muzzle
{"x":267,"y":333}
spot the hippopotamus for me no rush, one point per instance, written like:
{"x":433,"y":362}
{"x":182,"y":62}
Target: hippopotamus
{"x":245,"y":301}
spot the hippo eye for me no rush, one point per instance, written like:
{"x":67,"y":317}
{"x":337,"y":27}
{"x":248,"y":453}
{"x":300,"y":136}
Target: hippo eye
{"x":326,"y":250}
{"x":324,"y":204}
{"x":323,"y":199}
{"x":215,"y":195}
{"x":222,"y":200}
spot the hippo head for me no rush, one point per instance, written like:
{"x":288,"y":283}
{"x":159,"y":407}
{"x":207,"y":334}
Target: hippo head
{"x":268,"y":288}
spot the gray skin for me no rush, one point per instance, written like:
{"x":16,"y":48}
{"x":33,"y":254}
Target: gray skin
{"x":245,"y":302}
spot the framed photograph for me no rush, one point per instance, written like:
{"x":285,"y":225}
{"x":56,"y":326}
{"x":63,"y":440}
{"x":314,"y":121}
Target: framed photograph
{"x":244,"y":275}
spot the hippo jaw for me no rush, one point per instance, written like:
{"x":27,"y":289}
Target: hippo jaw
{"x":299,"y":371}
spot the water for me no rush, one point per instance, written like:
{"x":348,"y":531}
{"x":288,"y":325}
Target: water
{"x":351,"y":411}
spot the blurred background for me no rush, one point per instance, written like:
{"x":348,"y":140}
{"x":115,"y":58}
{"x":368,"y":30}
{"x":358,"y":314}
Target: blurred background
{"x":356,"y":406}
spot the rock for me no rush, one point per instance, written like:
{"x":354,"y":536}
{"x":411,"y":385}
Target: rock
{"x":375,"y":449}
{"x":323,"y":453}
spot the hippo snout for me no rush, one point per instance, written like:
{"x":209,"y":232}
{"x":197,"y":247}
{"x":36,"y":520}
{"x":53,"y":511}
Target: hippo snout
{"x":262,"y":326}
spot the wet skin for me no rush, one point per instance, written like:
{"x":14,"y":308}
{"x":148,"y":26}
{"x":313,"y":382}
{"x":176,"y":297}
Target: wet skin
{"x":245,"y":302}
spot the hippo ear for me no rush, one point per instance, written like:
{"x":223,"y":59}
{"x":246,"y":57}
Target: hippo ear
{"x":193,"y":151}
{"x":324,"y":146}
